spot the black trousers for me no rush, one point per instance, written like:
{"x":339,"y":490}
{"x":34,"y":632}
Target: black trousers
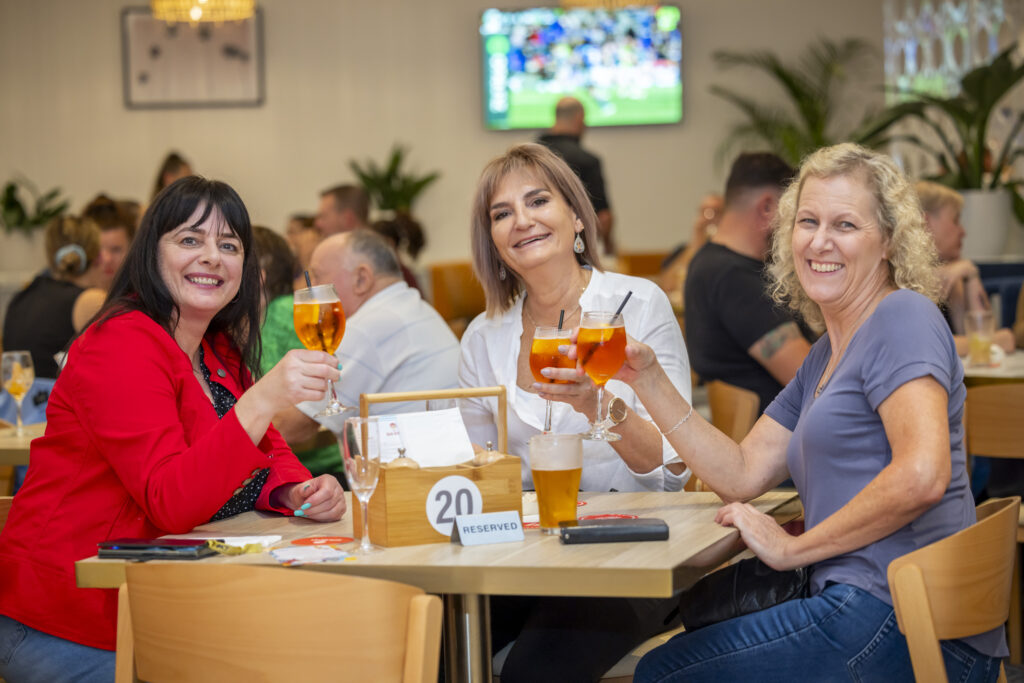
{"x":565,"y":640}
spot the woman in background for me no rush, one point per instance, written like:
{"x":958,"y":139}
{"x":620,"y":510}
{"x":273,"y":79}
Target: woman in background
{"x":117,"y":228}
{"x":56,"y":305}
{"x":173,"y":167}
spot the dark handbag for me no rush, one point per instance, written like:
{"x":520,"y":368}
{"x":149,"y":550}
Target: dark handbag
{"x":741,"y":588}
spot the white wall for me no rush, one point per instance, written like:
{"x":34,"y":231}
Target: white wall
{"x":346,"y":79}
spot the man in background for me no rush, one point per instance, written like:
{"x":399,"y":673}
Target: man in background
{"x":564,"y":139}
{"x":734,"y":331}
{"x":342,"y":208}
{"x":394,"y":340}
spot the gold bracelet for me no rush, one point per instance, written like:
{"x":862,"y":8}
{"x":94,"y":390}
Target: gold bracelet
{"x":680,"y":423}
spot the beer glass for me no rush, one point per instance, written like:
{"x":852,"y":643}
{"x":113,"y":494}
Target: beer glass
{"x":601,"y":350}
{"x":18,"y":375}
{"x":556,"y":464}
{"x":980,"y":327}
{"x":360,"y":444}
{"x":320,"y":325}
{"x":544,"y":354}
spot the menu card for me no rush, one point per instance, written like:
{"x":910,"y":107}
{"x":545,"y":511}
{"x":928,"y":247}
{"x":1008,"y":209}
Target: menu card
{"x":434,"y":438}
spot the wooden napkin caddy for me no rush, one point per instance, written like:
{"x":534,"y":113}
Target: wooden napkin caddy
{"x":410,"y":504}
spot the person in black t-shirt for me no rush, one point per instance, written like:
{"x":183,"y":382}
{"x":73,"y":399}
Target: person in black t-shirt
{"x":734,"y":331}
{"x":564,"y":140}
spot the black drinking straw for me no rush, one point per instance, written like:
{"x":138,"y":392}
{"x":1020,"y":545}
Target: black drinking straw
{"x":561,"y":317}
{"x":308,"y":283}
{"x":622,"y":305}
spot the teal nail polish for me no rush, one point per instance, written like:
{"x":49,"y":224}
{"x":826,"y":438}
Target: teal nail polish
{"x":300,"y":513}
{"x":305,"y":506}
{"x":339,"y":366}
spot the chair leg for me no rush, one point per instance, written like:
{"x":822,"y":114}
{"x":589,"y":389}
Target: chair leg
{"x":1014,"y":626}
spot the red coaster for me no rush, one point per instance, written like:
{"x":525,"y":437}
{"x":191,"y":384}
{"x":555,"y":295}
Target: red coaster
{"x":531,"y":525}
{"x":580,"y":503}
{"x":323,"y":540}
{"x":609,"y":516}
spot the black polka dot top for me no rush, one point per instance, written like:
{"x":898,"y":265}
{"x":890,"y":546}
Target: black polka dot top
{"x":245,"y":496}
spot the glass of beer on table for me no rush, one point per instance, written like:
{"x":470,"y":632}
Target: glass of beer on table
{"x":556,"y":463}
{"x":18,"y":375}
{"x":544,"y":354}
{"x":981,"y":328}
{"x":320,"y":325}
{"x":601,"y":350}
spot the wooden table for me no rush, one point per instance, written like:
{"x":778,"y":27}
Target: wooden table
{"x":1010,"y":370}
{"x":540,"y":565}
{"x":13,"y":448}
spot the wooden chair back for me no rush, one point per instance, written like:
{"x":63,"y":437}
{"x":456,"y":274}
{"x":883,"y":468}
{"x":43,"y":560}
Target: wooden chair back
{"x":733,"y":410}
{"x":993,"y":420}
{"x":956,"y":587}
{"x":5,"y":509}
{"x":456,"y":293}
{"x":229,"y":622}
{"x":641,"y":263}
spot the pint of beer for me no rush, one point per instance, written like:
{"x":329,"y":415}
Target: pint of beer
{"x":556,"y":462}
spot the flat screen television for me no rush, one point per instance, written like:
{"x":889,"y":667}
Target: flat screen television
{"x":622,"y":64}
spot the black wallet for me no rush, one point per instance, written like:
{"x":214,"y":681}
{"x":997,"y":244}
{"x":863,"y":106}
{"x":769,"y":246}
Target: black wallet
{"x":612,"y":530}
{"x":154,"y":549}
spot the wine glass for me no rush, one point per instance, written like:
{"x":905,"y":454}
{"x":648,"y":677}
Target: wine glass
{"x":544,"y":354}
{"x":18,"y":375}
{"x":320,"y":325}
{"x":601,"y":349}
{"x":360,"y":444}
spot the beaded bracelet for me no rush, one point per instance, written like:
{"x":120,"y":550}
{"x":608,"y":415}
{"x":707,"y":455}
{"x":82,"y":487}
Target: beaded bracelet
{"x":680,"y":423}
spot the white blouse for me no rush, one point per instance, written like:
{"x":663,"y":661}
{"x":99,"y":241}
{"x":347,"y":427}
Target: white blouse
{"x":490,"y":352}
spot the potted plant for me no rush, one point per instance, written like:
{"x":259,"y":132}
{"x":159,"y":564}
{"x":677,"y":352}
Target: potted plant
{"x":394,"y":190}
{"x":956,"y":137}
{"x":17,"y":216}
{"x":813,"y":89}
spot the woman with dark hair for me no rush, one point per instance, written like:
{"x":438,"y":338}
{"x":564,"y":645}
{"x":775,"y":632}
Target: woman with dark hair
{"x":116,"y":231}
{"x":174,"y":167}
{"x":155,"y":426}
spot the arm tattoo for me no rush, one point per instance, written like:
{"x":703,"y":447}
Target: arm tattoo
{"x":766,"y":347}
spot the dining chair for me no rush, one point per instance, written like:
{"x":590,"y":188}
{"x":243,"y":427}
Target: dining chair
{"x":733,"y":409}
{"x":456,"y":294}
{"x":640,"y":263}
{"x":994,"y":429}
{"x":956,"y":587}
{"x":222,"y":622}
{"x":5,"y":509}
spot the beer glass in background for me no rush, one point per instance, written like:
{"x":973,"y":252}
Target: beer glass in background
{"x":544,"y":354}
{"x":18,"y":375}
{"x":320,"y":325}
{"x":601,"y":350}
{"x":556,"y":463}
{"x":980,"y":327}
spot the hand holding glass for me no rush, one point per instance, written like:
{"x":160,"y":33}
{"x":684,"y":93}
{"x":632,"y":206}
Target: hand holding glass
{"x":601,"y":349}
{"x":544,"y":354}
{"x":320,"y":325}
{"x":18,"y":375}
{"x":360,"y":444}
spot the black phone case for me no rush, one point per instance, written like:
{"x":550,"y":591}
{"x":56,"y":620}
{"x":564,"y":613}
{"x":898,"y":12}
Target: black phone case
{"x":154,"y":549}
{"x":612,"y":530}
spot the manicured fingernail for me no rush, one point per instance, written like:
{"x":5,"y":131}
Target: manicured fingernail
{"x":339,"y":366}
{"x":300,"y":513}
{"x":306,"y":487}
{"x":563,"y":349}
{"x":305,"y":506}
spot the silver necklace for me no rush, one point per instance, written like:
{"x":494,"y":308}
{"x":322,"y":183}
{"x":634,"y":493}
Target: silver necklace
{"x":566,"y":319}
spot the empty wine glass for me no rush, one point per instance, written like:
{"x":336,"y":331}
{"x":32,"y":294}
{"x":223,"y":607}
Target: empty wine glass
{"x":360,"y":444}
{"x":18,"y":375}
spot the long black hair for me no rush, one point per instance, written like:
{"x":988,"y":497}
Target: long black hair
{"x":139,"y":287}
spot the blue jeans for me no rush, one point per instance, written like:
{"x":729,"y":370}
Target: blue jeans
{"x":841,"y":634}
{"x":31,"y":656}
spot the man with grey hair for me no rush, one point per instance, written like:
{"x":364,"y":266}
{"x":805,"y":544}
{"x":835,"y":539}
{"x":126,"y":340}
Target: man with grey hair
{"x":564,"y":140}
{"x":394,"y":340}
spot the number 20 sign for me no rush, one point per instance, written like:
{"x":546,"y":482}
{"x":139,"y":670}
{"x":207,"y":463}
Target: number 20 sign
{"x":449,"y":497}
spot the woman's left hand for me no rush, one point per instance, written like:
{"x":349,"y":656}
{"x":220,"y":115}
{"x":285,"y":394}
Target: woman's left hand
{"x":762,"y":534}
{"x":578,"y":391}
{"x":321,"y":499}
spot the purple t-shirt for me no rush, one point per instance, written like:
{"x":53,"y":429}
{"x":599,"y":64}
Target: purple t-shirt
{"x":839,"y":443}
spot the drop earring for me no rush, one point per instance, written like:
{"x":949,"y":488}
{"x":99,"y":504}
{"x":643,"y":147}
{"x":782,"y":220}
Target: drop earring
{"x":578,"y":246}
{"x":501,"y":272}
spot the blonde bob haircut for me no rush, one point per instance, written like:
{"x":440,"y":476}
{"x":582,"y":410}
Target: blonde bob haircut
{"x":72,"y":245}
{"x":552,"y":172}
{"x":910,"y":250}
{"x":935,"y":197}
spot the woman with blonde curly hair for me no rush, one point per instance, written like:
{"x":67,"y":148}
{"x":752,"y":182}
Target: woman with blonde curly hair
{"x":870,"y":430}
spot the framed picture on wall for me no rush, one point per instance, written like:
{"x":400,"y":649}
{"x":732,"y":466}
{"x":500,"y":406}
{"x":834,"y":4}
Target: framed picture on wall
{"x":182,"y":65}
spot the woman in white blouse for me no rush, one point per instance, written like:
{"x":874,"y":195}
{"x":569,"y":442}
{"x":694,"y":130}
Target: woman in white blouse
{"x":534,"y":238}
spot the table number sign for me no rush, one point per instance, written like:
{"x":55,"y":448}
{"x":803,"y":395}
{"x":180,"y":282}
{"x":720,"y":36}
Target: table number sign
{"x":490,"y":527}
{"x":451,"y":497}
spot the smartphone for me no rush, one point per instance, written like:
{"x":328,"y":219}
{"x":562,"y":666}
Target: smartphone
{"x":612,"y":530}
{"x":154,"y":549}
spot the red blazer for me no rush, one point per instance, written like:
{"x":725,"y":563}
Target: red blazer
{"x":133,"y":448}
